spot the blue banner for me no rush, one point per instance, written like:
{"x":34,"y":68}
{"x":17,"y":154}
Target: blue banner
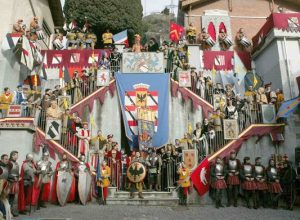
{"x":144,"y":97}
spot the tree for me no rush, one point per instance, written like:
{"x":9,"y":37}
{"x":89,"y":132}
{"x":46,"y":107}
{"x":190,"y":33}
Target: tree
{"x":115,"y":15}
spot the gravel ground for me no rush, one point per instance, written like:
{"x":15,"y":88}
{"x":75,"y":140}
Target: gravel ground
{"x":121,"y":212}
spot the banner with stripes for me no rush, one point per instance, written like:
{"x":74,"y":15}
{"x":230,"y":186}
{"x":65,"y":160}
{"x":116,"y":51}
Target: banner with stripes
{"x":144,"y":97}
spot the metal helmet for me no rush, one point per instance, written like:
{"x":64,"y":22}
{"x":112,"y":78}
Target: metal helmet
{"x":29,"y":156}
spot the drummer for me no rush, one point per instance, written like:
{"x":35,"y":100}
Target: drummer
{"x":205,"y":40}
{"x":242,"y":41}
{"x":224,"y":41}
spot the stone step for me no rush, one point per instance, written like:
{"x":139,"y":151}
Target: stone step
{"x":148,"y":195}
{"x":145,"y":201}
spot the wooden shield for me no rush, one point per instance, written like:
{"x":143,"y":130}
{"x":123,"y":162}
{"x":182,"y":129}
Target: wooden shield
{"x":63,"y":186}
{"x":190,"y":158}
{"x":136,"y":172}
{"x":84,"y":186}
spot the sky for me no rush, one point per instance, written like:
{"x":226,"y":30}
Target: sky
{"x":151,"y":6}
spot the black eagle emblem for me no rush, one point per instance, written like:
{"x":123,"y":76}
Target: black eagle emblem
{"x":135,"y":171}
{"x":141,"y":97}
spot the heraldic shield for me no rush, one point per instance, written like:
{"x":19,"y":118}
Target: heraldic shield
{"x":84,"y":186}
{"x":63,"y":187}
{"x":136,"y":172}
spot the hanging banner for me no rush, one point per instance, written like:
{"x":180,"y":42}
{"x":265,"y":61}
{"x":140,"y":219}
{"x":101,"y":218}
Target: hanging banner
{"x":140,"y":94}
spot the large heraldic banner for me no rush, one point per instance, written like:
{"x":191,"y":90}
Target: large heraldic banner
{"x":148,"y":92}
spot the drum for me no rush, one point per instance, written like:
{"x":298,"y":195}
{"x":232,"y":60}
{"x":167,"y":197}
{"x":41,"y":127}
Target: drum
{"x":245,"y":42}
{"x":210,"y":41}
{"x":40,"y":35}
{"x":57,"y":44}
{"x":228,"y":42}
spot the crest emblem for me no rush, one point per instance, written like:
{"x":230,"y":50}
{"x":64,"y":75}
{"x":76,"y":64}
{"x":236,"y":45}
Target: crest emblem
{"x":142,"y":104}
{"x":190,"y":158}
{"x":136,"y":172}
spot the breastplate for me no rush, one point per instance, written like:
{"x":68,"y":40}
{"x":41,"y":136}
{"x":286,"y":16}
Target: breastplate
{"x":4,"y":172}
{"x":259,"y":171}
{"x":82,"y":167}
{"x":219,"y":170}
{"x":153,"y":162}
{"x":15,"y":169}
{"x":232,"y":165}
{"x":29,"y":170}
{"x":248,"y":170}
{"x":273,"y":172}
{"x":64,"y":165}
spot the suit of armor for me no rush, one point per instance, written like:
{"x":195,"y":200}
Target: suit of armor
{"x":261,"y":184}
{"x":274,"y":185}
{"x":248,"y":183}
{"x":153,"y":171}
{"x":13,"y":179}
{"x":233,"y":181}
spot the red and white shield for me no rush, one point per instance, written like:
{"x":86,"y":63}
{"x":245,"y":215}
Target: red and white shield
{"x":141,"y":97}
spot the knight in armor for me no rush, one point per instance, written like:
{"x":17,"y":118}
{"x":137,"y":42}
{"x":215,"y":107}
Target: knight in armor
{"x":63,"y":165}
{"x":153,"y":170}
{"x":218,"y":174}
{"x":275,"y":189}
{"x":28,"y":191}
{"x":81,"y":166}
{"x":103,"y":176}
{"x":288,"y":181}
{"x":233,"y":181}
{"x":4,"y":187}
{"x":191,"y":34}
{"x":137,"y":186}
{"x":261,"y":183}
{"x":114,"y":162}
{"x":13,"y":179}
{"x":184,"y":183}
{"x":168,"y":168}
{"x":45,"y":172}
{"x":248,"y":183}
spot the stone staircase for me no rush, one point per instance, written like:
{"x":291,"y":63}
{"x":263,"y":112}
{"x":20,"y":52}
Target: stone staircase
{"x":150,"y":198}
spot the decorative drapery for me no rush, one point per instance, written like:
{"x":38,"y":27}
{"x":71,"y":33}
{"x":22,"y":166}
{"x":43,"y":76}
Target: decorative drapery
{"x":196,"y":100}
{"x":280,"y":21}
{"x":218,"y":60}
{"x":73,"y":58}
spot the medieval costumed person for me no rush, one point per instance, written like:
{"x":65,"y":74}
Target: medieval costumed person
{"x":206,"y":40}
{"x":53,"y":112}
{"x":224,"y":41}
{"x":184,"y":183}
{"x":218,"y":173}
{"x":200,"y":85}
{"x":217,"y":122}
{"x":63,"y":187}
{"x":45,"y":172}
{"x":233,"y":181}
{"x":4,"y":188}
{"x":241,"y":40}
{"x":109,"y":144}
{"x":191,"y":34}
{"x":137,"y":46}
{"x":76,"y":92}
{"x":107,"y":39}
{"x":153,"y":170}
{"x":103,"y":175}
{"x":248,"y":183}
{"x":83,"y":181}
{"x":5,"y":100}
{"x":200,"y":142}
{"x":288,"y":181}
{"x":261,"y":183}
{"x":84,"y":137}
{"x":115,"y":61}
{"x":13,"y":179}
{"x":167,"y":171}
{"x":136,"y":173}
{"x":18,"y":27}
{"x":114,"y":162}
{"x":58,"y":42}
{"x":230,"y":110}
{"x":28,"y":190}
{"x":273,"y":181}
{"x":271,"y":95}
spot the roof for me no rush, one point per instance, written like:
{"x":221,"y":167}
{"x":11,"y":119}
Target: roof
{"x":57,"y":13}
{"x":184,"y":4}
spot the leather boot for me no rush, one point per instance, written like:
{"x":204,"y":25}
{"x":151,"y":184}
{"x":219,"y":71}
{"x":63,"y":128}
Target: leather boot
{"x":131,"y":196}
{"x":141,"y":195}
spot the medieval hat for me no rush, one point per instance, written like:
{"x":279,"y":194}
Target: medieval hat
{"x":268,"y":85}
{"x":110,"y":136}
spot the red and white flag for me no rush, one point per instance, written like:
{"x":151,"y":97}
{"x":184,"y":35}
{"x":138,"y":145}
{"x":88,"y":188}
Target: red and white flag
{"x":75,"y":58}
{"x":27,"y":56}
{"x":57,"y":58}
{"x":200,"y":177}
{"x":220,"y":60}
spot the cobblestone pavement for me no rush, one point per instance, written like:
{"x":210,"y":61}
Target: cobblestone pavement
{"x":120,"y":212}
